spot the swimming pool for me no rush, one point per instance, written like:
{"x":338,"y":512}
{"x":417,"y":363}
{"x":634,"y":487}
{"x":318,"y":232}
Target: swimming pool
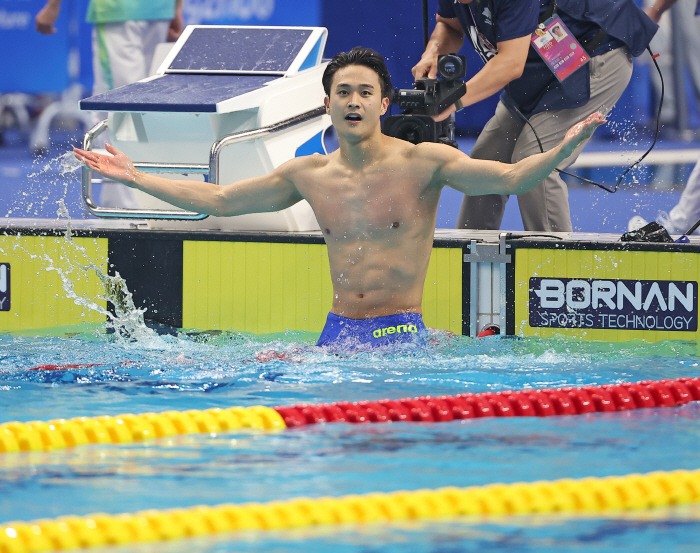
{"x":204,"y":370}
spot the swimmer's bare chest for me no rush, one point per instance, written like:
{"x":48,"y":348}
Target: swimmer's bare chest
{"x":378,"y":226}
{"x":377,"y":205}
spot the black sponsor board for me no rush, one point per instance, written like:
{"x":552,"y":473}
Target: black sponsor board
{"x":4,"y":286}
{"x":668,"y":305}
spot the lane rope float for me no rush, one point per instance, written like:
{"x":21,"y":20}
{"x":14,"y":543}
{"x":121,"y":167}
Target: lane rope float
{"x":525,"y":403}
{"x":62,"y":433}
{"x":580,"y":496}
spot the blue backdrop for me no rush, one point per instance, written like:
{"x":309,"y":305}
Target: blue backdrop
{"x":254,"y":12}
{"x":34,"y":63}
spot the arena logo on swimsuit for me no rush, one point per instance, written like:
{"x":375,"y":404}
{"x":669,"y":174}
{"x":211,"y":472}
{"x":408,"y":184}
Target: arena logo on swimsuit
{"x":378,"y":333}
{"x":614,"y":304}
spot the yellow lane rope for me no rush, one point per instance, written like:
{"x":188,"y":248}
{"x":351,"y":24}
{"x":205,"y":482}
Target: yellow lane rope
{"x":584,"y":496}
{"x":60,"y":433}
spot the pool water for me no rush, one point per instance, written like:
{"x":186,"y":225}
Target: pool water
{"x":199,"y":370}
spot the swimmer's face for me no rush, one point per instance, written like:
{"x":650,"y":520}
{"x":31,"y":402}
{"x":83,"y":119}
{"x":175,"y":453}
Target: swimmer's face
{"x":355,"y":102}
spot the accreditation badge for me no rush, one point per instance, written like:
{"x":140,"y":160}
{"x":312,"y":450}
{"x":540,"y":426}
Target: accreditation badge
{"x":558,"y":48}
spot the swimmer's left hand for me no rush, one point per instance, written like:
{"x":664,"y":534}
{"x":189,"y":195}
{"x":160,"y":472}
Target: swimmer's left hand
{"x":582,"y":131}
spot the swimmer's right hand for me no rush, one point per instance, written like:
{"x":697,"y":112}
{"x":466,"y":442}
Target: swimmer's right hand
{"x":116,"y":166}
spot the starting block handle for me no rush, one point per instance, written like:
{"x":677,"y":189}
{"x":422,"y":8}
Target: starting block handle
{"x":211,"y":170}
{"x":128,"y":213}
{"x":243,"y":136}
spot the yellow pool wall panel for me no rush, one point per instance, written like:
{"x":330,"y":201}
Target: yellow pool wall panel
{"x":442,"y":293}
{"x":255,"y":287}
{"x":38,"y":299}
{"x":263,"y":287}
{"x":600,"y":264}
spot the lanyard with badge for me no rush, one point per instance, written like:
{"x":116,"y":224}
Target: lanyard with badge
{"x":558,"y":47}
{"x":481,"y":44}
{"x":552,"y":40}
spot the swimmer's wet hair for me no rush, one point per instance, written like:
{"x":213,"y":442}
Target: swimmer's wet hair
{"x":358,"y":56}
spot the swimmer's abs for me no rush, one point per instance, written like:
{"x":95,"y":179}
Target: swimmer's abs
{"x":364,"y":306}
{"x":379,"y":297}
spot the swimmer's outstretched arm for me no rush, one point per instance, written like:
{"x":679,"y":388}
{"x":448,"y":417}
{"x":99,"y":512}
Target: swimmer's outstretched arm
{"x":477,"y":177}
{"x":271,"y":192}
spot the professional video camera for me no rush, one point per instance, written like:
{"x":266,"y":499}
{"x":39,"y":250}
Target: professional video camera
{"x":429,"y":97}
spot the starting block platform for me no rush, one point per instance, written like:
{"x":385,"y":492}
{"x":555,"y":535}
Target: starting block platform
{"x":227,"y":103}
{"x":581,"y":286}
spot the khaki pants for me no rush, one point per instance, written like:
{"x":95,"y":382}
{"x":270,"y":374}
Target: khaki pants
{"x":507,"y":138}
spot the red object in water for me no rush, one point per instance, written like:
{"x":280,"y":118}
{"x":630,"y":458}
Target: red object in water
{"x":270,"y":355}
{"x":489,"y":330}
{"x":64,"y":367}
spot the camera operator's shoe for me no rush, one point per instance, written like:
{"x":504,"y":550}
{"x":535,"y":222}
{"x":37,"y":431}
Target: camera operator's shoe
{"x":636,"y":223}
{"x":666,"y":221}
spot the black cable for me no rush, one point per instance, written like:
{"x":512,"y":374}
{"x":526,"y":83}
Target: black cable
{"x":656,"y":136}
{"x":531,"y":235}
{"x":692,"y":229}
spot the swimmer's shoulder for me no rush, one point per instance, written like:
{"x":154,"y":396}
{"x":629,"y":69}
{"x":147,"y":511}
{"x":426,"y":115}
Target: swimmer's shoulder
{"x":431,"y":152}
{"x":307,"y":163}
{"x":304,"y":166}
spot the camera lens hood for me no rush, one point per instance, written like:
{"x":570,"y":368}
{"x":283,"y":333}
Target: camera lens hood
{"x":452,"y":67}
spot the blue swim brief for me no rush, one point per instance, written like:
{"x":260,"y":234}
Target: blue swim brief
{"x":378,"y":332}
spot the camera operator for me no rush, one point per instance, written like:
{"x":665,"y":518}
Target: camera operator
{"x":500,"y":31}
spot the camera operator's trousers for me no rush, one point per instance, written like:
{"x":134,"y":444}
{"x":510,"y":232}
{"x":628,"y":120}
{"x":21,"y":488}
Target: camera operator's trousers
{"x":507,"y":138}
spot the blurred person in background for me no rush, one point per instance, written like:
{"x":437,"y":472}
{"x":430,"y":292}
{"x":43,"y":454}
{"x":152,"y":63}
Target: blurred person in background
{"x":124,"y":39}
{"x":687,"y":211}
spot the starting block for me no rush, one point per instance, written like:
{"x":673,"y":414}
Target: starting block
{"x":227,"y":103}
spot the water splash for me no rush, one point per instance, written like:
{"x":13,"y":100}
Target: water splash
{"x":74,"y":263}
{"x":49,"y":178}
{"x":127,"y":322}
{"x":63,"y":165}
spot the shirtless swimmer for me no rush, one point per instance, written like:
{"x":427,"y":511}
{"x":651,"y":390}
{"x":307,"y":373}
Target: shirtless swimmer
{"x":375,"y":199}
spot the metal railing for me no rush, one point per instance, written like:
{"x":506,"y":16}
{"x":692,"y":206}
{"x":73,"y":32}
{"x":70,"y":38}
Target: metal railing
{"x":211,"y":171}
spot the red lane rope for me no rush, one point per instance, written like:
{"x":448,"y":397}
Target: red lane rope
{"x":525,"y":403}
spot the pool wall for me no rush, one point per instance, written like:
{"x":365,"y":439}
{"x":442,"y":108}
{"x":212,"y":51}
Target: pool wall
{"x":585,"y":286}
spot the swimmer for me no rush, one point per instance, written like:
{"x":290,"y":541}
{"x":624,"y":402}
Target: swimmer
{"x":375,"y":199}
